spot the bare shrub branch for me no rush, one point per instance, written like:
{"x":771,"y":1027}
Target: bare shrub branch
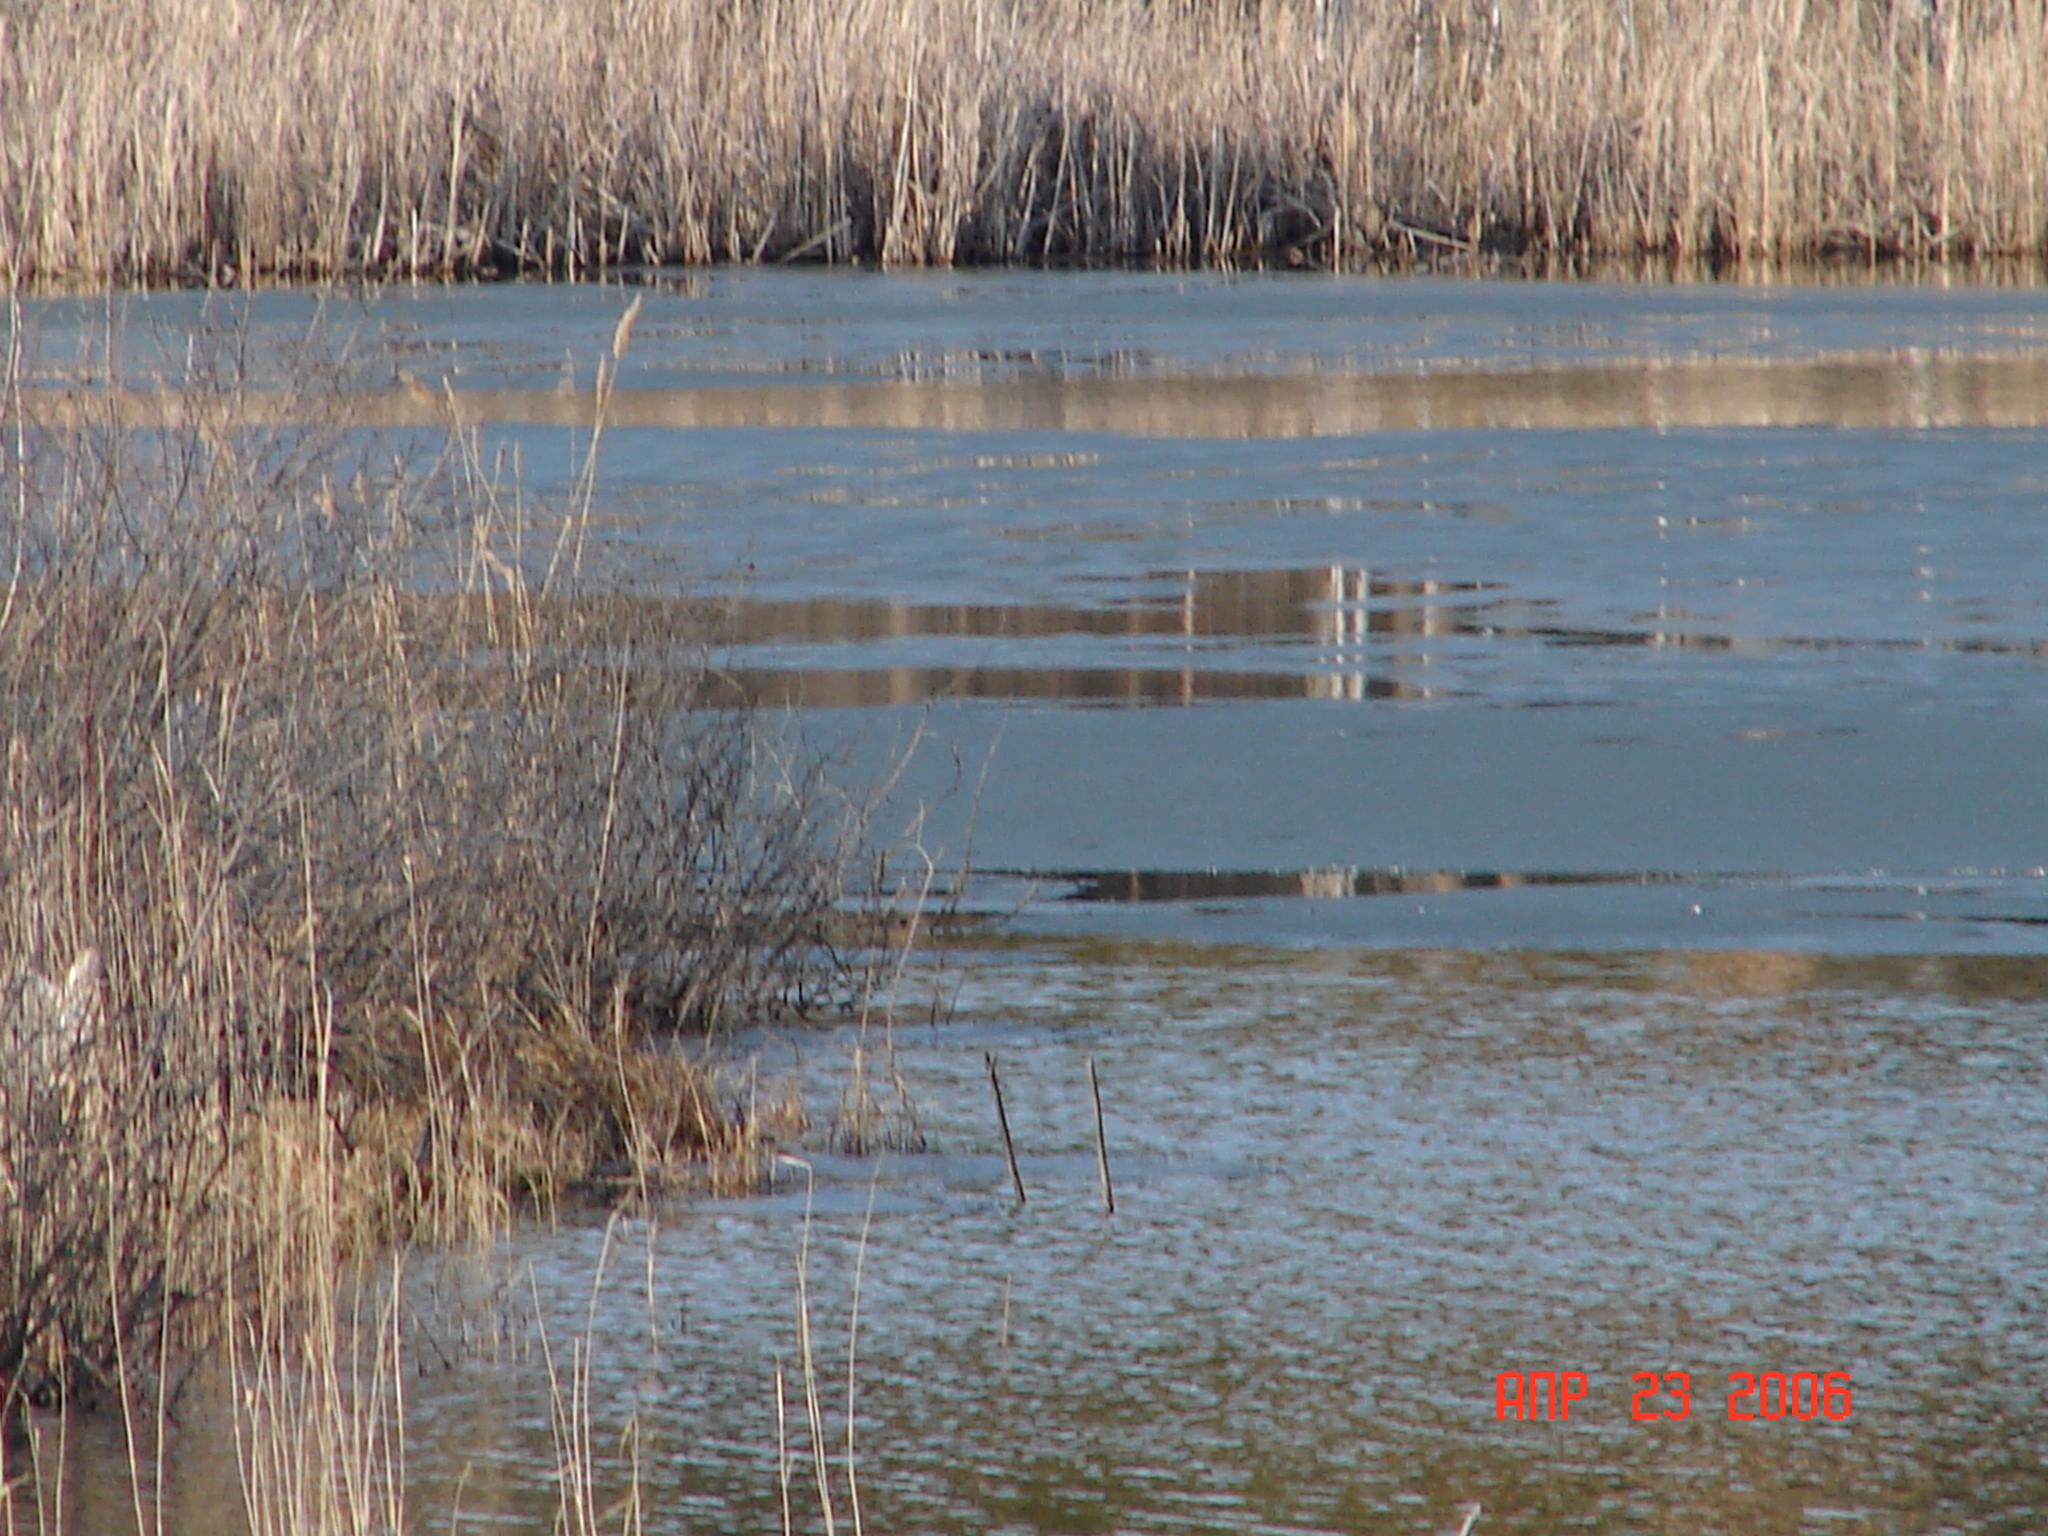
{"x":345,"y":865}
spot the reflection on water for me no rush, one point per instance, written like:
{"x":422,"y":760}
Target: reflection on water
{"x":748,"y":325}
{"x":1326,"y":604}
{"x":1333,"y":883}
{"x":1320,"y":620}
{"x":1352,"y":1190}
{"x":842,"y":687}
{"x":1911,"y":390}
{"x":1318,"y":617}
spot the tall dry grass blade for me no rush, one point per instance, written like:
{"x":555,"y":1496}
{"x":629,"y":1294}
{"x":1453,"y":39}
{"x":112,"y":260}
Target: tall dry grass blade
{"x":860,"y":1264}
{"x":579,"y":1510}
{"x":807,"y":1357}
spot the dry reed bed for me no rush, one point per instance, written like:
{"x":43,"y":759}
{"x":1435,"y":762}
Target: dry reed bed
{"x":206,"y":139}
{"x":356,"y":867}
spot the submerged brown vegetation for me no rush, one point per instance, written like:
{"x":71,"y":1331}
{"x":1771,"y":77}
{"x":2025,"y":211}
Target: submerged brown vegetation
{"x":210,"y":139}
{"x":362,"y":861}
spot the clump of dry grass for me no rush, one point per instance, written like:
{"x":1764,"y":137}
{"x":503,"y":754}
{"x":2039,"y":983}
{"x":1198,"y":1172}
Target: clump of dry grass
{"x":153,"y":139}
{"x":358,"y":879}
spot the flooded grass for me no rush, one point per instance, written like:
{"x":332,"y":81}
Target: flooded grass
{"x":172,"y":140}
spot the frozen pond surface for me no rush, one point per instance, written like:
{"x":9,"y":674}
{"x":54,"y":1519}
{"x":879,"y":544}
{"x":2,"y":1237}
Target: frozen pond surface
{"x":1531,"y":795}
{"x":1728,"y":600}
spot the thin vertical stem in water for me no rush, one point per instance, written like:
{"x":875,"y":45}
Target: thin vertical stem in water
{"x":570,"y":1412}
{"x":782,"y":1462}
{"x":575,"y":532}
{"x":813,"y":1411}
{"x":1101,"y":1143}
{"x":1003,"y":1121}
{"x":860,"y":1264}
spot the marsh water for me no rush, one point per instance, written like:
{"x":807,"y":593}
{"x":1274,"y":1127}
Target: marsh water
{"x":1529,"y":795}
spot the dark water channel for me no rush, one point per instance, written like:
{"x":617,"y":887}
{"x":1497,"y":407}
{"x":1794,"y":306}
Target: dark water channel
{"x":1532,"y":799}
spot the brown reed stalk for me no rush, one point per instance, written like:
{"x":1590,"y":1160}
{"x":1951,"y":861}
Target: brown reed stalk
{"x":995,"y":1084}
{"x":1101,"y":1144}
{"x":171,"y":139}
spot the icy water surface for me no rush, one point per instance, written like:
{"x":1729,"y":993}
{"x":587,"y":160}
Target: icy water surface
{"x":1531,"y":796}
{"x":1625,"y":615}
{"x":1352,"y":1191}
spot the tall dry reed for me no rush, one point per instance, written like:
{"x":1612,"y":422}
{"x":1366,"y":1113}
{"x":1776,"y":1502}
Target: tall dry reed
{"x":360,"y":851}
{"x":206,"y":139}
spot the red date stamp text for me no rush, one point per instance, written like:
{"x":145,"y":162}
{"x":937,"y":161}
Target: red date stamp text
{"x":1550,"y":1394}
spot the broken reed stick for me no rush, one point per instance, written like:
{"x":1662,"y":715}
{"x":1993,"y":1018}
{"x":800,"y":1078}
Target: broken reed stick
{"x":1003,"y":1120}
{"x":1101,"y":1144}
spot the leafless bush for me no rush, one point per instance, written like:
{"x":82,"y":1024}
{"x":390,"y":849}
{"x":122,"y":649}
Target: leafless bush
{"x":344,"y":860}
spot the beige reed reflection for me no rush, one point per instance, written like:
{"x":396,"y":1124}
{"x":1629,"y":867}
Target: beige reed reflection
{"x":1164,"y":640}
{"x":1912,"y":388}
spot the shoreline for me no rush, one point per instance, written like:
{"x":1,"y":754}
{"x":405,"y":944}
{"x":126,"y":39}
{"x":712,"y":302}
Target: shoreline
{"x":172,"y":141}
